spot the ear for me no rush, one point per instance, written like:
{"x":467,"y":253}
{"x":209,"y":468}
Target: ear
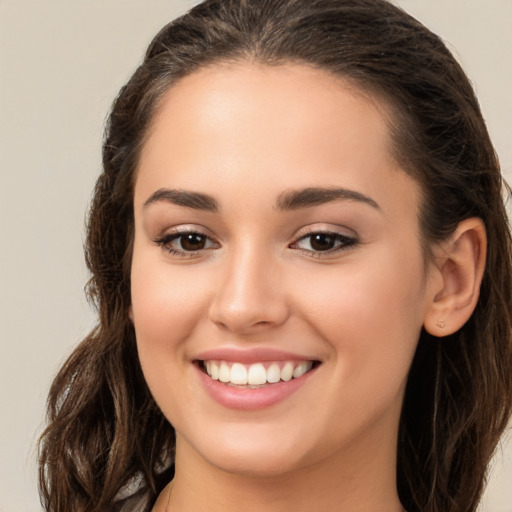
{"x":455,"y":279}
{"x":130,"y":313}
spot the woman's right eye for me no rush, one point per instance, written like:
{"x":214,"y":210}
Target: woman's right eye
{"x":188,"y":243}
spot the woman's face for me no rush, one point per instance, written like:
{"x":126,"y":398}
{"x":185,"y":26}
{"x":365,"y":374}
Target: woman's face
{"x":275,"y":233}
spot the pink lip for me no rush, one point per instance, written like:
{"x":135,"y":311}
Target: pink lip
{"x":249,"y":356}
{"x":250,"y":399}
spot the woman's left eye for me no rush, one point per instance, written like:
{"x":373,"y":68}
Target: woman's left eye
{"x":323,"y":242}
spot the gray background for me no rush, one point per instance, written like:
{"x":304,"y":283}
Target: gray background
{"x":61,"y":64}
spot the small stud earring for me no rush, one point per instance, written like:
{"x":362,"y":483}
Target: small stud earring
{"x":441,"y":324}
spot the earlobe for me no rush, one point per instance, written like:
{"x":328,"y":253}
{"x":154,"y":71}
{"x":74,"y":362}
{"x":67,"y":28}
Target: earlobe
{"x":460,"y":263}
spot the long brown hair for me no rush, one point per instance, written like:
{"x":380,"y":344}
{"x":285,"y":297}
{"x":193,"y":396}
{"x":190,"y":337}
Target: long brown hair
{"x":103,"y":425}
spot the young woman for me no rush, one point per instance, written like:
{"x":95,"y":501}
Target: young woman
{"x":302,"y":267}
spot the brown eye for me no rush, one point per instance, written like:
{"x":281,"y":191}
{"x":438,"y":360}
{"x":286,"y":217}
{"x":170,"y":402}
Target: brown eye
{"x":187,"y":243}
{"x":192,"y":241}
{"x":322,"y":242}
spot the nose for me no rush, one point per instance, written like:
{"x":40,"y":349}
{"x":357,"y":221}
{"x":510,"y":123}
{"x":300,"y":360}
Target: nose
{"x":250,"y":296}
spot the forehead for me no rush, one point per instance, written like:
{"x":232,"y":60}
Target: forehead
{"x":263,"y":99}
{"x":284,"y":125}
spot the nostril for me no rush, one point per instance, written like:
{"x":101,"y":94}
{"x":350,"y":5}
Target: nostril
{"x":262,"y":323}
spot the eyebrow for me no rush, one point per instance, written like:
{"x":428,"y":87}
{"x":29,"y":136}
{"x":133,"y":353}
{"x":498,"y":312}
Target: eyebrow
{"x":194,"y":200}
{"x":288,"y":200}
{"x":308,"y":197}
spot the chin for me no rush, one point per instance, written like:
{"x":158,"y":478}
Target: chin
{"x":249,"y":453}
{"x":256,"y":464}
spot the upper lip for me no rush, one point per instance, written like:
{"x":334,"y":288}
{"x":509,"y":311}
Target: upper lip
{"x":250,"y":355}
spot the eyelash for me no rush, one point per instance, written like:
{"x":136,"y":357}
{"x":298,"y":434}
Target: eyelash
{"x":341,"y":243}
{"x":166,"y":240}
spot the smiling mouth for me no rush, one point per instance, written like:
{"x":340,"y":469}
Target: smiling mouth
{"x":255,"y":375}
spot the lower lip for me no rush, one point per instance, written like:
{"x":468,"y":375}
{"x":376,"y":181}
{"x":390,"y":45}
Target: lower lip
{"x":251,"y":399}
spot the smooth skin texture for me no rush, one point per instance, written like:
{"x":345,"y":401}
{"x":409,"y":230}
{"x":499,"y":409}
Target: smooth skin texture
{"x":343,"y":282}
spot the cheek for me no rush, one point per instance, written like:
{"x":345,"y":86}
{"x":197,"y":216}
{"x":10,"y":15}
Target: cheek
{"x":371,"y":313}
{"x":166,"y":303}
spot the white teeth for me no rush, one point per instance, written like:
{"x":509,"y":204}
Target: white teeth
{"x":255,"y":374}
{"x":224,"y":372}
{"x":238,"y":374}
{"x":273,"y":373}
{"x":302,"y":368}
{"x":214,"y":371}
{"x":287,"y":372}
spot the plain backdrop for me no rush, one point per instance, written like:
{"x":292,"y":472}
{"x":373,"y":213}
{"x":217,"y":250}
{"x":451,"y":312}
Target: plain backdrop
{"x":61,"y":64}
